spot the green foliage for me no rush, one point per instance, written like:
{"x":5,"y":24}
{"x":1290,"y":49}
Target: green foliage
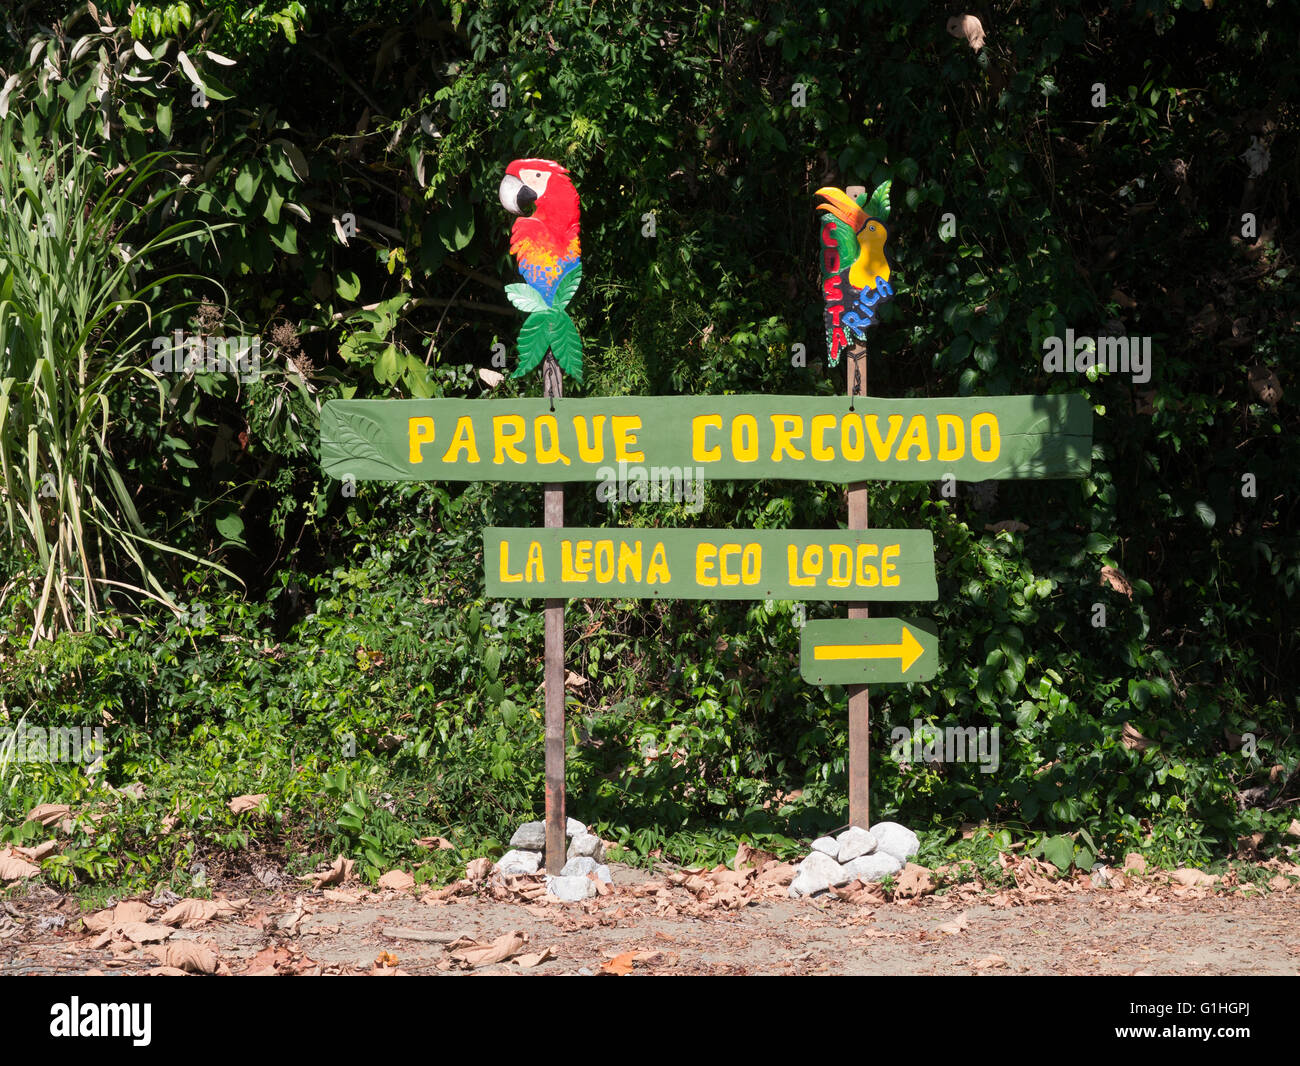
{"x":354,"y":173}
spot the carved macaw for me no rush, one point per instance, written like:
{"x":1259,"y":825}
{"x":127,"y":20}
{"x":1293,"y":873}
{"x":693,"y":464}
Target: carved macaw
{"x":855,"y":266}
{"x":545,"y":245}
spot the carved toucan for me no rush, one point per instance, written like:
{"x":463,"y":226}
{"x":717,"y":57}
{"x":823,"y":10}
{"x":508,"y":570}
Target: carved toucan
{"x":855,"y":266}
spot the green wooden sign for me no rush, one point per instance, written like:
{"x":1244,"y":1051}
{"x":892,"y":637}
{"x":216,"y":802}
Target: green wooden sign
{"x":973,"y":438}
{"x":868,"y":651}
{"x":710,"y":564}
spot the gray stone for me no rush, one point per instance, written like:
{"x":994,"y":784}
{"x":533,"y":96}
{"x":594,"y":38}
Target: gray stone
{"x":574,"y":828}
{"x":896,"y":839}
{"x":531,"y":836}
{"x":603,"y":873}
{"x":853,"y":842}
{"x":514,"y":863}
{"x":587,"y":844}
{"x":827,"y":846}
{"x":579,"y":866}
{"x":873,"y":867}
{"x":571,"y":889}
{"x":817,"y":873}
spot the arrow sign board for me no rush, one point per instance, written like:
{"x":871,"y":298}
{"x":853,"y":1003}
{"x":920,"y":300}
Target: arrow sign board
{"x":868,"y":651}
{"x":710,"y":564}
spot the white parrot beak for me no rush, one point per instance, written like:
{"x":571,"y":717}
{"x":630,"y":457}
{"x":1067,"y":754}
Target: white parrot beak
{"x":509,"y":193}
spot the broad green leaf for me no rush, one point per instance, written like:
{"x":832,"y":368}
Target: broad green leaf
{"x":566,"y":344}
{"x":347,"y":285}
{"x":526,"y":298}
{"x":568,"y":286}
{"x":878,"y":205}
{"x":534,"y":337}
{"x":1059,"y":851}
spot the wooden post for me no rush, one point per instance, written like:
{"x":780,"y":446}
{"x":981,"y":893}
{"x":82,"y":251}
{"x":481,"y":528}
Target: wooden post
{"x":552,"y":387}
{"x":859,"y":718}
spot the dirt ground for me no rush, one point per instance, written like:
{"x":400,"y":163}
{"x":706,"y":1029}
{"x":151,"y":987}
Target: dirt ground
{"x":671,"y":922}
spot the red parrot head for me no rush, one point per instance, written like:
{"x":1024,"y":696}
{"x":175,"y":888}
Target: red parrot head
{"x":546,"y":241}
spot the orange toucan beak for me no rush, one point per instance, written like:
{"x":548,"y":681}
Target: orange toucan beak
{"x":843,"y":207}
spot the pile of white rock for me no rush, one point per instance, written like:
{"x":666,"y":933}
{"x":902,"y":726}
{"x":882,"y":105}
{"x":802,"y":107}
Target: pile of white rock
{"x":857,"y":854}
{"x":586,"y":855}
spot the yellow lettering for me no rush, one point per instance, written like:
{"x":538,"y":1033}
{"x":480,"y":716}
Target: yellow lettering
{"x":792,"y":564}
{"x":705,"y":556}
{"x":841,"y":566}
{"x":658,"y":566}
{"x":533,"y":567}
{"x":508,"y":431}
{"x":700,"y":451}
{"x":751,"y":564}
{"x":604,"y":562}
{"x":549,"y":453}
{"x":918,"y":437}
{"x":951,"y":424}
{"x":419,"y":431}
{"x":985,"y":453}
{"x":868,"y":576}
{"x":882,"y":447}
{"x":820,"y":424}
{"x":504,"y":569}
{"x":462,"y":440}
{"x":567,"y":572}
{"x":786,"y":428}
{"x":853,"y":450}
{"x":629,"y":556}
{"x":888,"y":575}
{"x":582,"y":559}
{"x":812,"y":559}
{"x":727,"y":577}
{"x":746,"y":450}
{"x":625,"y":427}
{"x":590,"y":449}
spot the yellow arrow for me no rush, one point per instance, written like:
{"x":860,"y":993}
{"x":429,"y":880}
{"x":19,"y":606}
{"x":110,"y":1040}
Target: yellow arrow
{"x":907,"y":650}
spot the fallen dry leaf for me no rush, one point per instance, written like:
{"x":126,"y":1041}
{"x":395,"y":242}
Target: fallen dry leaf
{"x":477,"y":869}
{"x":435,"y":843}
{"x":1009,"y":526}
{"x":748,"y":856}
{"x":397,"y":881}
{"x":967,"y":26}
{"x":188,"y":955}
{"x":989,"y":962}
{"x":479,"y":953}
{"x":619,"y":965}
{"x":335,"y":875}
{"x":913,"y":881}
{"x":1193,"y":878}
{"x":1134,"y":740}
{"x":39,"y":852}
{"x":490,"y":378}
{"x":1134,"y":863}
{"x":49,"y":813}
{"x":1116,"y":580}
{"x":191,"y":913}
{"x":144,"y":932}
{"x":244,"y":804}
{"x":1293,"y":830}
{"x":957,"y":925}
{"x":13,"y":868}
{"x":535,"y":958}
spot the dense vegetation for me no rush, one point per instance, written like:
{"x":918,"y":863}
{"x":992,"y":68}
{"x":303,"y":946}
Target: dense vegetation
{"x":322,"y":176}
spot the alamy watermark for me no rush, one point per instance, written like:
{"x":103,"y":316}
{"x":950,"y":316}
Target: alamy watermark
{"x":26,"y":743}
{"x":640,"y":484}
{"x":183,"y":353}
{"x":1118,"y":355}
{"x":930,"y":744}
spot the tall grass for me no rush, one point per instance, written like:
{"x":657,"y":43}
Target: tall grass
{"x":74,"y":308}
